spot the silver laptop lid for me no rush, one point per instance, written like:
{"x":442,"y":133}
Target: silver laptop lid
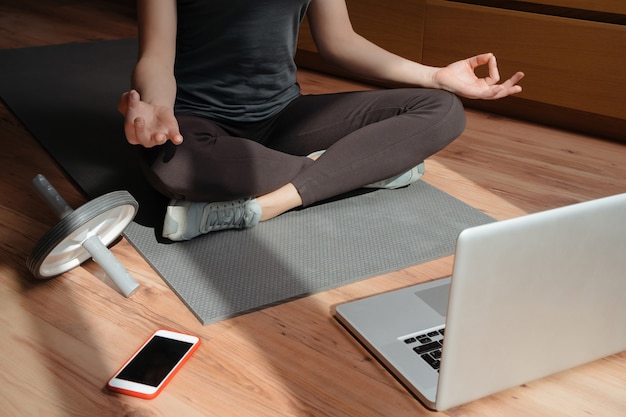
{"x":532,"y":296}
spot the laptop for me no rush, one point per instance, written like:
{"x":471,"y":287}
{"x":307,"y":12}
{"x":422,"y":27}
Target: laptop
{"x":528,"y":297}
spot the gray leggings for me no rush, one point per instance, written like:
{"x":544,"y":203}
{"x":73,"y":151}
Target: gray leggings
{"x":368,"y":136}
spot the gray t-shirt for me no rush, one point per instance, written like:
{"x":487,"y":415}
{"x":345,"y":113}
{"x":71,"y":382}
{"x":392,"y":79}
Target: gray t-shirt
{"x":235,"y":58}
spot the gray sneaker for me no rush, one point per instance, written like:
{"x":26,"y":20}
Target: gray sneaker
{"x":397,"y":181}
{"x":401,"y":180}
{"x":185,"y":220}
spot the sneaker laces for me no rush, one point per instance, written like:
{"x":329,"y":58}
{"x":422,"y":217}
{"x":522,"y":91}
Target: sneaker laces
{"x":228,"y":215}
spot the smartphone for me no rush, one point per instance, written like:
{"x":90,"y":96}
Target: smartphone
{"x":154,"y":364}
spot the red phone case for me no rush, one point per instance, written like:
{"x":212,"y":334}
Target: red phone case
{"x":165,"y":381}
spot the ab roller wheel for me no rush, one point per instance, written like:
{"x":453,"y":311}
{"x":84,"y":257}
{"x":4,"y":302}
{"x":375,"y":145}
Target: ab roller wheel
{"x":82,"y":234}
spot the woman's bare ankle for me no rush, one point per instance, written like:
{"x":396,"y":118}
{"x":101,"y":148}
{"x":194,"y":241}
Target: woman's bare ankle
{"x":278,"y":202}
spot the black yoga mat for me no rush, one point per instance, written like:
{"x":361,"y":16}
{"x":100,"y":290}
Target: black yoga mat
{"x":66,"y":96}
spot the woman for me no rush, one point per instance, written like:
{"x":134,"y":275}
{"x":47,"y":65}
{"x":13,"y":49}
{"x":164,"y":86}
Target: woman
{"x":221,"y":75}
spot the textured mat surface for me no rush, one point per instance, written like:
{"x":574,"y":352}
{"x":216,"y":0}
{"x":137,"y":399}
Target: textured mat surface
{"x":66,"y":95}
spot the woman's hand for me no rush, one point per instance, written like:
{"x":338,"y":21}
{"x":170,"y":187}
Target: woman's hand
{"x":460,"y":78}
{"x":146,"y":124}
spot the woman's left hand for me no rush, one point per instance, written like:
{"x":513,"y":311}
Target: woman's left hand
{"x":460,"y":78}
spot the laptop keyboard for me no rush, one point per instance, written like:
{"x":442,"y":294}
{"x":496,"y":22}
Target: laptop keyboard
{"x":428,"y":346}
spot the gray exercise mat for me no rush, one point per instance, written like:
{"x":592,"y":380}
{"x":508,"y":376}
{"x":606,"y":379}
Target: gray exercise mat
{"x":66,"y":95}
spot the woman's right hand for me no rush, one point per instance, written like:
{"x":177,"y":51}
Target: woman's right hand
{"x":146,"y":124}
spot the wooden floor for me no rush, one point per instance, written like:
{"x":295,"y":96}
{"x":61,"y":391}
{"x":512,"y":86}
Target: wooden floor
{"x":63,"y":338}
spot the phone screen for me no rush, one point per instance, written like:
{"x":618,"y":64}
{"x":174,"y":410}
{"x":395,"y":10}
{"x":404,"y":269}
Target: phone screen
{"x":155,"y":361}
